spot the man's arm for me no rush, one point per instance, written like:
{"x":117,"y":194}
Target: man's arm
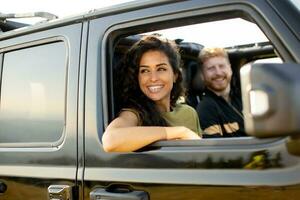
{"x":209,"y":119}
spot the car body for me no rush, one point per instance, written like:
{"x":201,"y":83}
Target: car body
{"x":57,"y":97}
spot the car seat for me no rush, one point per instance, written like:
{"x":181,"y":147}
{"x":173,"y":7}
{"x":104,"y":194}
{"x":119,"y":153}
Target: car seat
{"x":194,"y":83}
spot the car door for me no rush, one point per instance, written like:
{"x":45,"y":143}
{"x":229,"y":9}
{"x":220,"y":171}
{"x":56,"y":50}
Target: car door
{"x":236,"y":168}
{"x":38,"y":113}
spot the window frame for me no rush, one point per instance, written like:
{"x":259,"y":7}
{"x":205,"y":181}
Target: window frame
{"x":220,"y":12}
{"x":1,"y":67}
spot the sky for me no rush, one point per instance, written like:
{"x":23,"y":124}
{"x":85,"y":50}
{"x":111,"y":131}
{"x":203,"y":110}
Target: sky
{"x":64,"y":8}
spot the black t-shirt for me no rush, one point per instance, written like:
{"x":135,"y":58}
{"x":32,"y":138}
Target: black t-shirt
{"x":218,"y":118}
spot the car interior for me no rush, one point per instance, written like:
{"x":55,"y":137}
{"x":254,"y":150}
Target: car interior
{"x":194,"y":86}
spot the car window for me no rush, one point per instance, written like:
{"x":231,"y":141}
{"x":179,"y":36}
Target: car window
{"x":243,"y":40}
{"x":221,"y":33}
{"x":33,"y":94}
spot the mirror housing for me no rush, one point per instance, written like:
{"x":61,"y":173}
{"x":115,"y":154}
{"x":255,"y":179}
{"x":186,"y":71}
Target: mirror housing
{"x":271,"y":99}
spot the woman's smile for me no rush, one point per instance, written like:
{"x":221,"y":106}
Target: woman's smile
{"x":155,"y":89}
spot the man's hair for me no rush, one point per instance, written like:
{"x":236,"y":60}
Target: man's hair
{"x":207,"y":53}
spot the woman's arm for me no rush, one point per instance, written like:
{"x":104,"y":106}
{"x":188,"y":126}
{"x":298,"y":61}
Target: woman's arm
{"x":123,"y":134}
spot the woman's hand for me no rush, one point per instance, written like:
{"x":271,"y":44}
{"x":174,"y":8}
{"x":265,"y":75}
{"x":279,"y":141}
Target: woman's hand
{"x":190,"y":135}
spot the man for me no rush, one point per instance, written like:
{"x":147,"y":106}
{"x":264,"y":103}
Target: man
{"x":220,"y":111}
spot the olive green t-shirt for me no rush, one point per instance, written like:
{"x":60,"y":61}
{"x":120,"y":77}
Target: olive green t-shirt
{"x":183,"y":115}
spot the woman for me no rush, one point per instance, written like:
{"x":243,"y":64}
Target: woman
{"x":152,"y":86}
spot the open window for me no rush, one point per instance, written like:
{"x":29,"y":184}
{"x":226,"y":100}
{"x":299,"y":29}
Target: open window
{"x":236,"y":32}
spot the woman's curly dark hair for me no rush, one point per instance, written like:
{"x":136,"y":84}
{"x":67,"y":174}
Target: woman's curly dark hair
{"x":132,"y":96}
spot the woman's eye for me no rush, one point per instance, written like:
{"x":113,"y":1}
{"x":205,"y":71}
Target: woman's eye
{"x":142,"y":71}
{"x":161,"y":69}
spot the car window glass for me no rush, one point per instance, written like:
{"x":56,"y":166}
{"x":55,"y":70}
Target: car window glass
{"x":33,"y":94}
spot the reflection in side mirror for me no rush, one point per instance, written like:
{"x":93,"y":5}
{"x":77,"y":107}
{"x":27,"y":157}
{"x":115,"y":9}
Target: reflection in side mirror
{"x":271,"y":99}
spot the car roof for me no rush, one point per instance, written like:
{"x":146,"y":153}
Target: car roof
{"x":19,"y":28}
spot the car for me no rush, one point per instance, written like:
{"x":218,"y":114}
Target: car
{"x":59,"y":93}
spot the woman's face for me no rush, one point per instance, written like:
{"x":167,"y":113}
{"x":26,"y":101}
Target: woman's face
{"x":156,"y":77}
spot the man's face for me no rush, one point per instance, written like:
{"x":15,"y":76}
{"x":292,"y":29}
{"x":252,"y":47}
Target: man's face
{"x":217,"y":73}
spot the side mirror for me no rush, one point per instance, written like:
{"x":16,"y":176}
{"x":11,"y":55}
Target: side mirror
{"x":271,"y":99}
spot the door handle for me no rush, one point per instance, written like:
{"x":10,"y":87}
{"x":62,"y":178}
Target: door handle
{"x":3,"y":187}
{"x":118,"y":193}
{"x":60,"y":192}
